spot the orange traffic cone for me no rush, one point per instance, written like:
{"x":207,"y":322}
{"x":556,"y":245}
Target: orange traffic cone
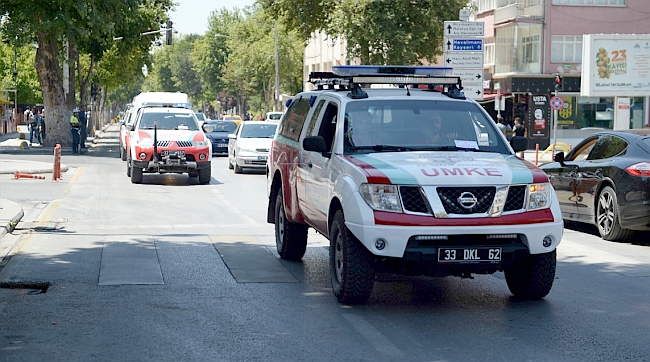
{"x":19,"y":175}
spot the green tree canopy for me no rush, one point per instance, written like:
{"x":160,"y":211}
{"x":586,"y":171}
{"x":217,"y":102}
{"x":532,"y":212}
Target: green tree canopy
{"x":377,"y":31}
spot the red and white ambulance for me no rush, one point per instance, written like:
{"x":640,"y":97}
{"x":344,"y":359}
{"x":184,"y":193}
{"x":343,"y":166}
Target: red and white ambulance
{"x":412,"y":178}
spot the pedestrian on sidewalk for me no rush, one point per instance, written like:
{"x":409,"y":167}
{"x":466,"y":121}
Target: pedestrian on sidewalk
{"x":43,"y":130}
{"x":83,"y":123}
{"x":501,"y":125}
{"x":520,"y":131}
{"x":33,"y":122}
{"x":74,"y":123}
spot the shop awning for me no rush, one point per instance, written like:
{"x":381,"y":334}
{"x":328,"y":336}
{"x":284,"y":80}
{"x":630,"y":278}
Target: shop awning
{"x":490,"y":97}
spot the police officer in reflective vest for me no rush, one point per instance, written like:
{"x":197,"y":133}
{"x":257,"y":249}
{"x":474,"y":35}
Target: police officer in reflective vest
{"x":74,"y":122}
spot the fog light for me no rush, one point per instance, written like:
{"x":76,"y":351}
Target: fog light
{"x":202,"y":156}
{"x":431,"y":237}
{"x":548,"y":240}
{"x":380,"y":244}
{"x":142,"y":155}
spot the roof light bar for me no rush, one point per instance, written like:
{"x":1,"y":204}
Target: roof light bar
{"x":167,"y":104}
{"x":356,"y":70}
{"x":405,"y":79}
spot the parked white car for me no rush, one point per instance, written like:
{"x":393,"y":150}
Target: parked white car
{"x":273,"y":116}
{"x":249,"y":146}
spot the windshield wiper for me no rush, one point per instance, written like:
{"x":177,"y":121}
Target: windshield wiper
{"x":381,"y":148}
{"x":456,"y":148}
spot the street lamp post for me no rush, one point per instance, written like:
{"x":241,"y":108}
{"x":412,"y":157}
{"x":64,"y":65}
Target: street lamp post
{"x":276,"y":101}
{"x":16,"y":78}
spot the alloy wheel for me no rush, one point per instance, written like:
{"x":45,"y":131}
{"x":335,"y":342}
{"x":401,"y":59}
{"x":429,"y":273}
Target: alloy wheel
{"x":605,"y":212}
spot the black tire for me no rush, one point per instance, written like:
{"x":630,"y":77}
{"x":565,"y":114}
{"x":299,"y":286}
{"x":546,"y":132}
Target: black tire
{"x":128,"y":168}
{"x":607,"y":216}
{"x":237,"y":168}
{"x":290,"y":237}
{"x":193,"y":173}
{"x":205,"y":175}
{"x":122,"y":153}
{"x":230,"y":167}
{"x":352,"y":266}
{"x":136,"y":175}
{"x":532,"y":277}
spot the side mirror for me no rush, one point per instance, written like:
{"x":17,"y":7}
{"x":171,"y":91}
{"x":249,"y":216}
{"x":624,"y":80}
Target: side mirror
{"x":519,"y":143}
{"x":559,"y":157}
{"x":314,"y":144}
{"x":207,"y":128}
{"x":231,"y":136}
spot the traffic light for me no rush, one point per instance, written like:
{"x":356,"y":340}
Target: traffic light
{"x":168,"y":33}
{"x":559,"y":85}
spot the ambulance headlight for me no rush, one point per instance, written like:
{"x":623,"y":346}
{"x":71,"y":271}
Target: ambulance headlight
{"x":381,"y":197}
{"x":145,"y":142}
{"x":539,"y":196}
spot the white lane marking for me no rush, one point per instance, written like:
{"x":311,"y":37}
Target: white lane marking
{"x":372,"y":335}
{"x":571,"y":251}
{"x":234,"y":209}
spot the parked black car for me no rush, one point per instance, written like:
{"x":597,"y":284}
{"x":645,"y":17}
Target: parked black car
{"x":605,"y":181}
{"x":217,"y":131}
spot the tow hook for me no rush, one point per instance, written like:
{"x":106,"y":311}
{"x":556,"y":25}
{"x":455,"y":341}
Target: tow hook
{"x":467,"y":275}
{"x":155,"y":142}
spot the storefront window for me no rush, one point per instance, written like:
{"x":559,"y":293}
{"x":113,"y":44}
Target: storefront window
{"x":595,"y":112}
{"x":636,"y":113}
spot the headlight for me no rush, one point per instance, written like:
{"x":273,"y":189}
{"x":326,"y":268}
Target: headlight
{"x":200,"y":144}
{"x":381,"y":197}
{"x":246,"y":150}
{"x":539,"y":196}
{"x":144,"y":142}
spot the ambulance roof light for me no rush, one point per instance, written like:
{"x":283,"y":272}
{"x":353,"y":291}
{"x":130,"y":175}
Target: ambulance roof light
{"x":356,"y":70}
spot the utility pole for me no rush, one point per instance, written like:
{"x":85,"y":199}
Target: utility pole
{"x":276,"y":101}
{"x":16,"y":77}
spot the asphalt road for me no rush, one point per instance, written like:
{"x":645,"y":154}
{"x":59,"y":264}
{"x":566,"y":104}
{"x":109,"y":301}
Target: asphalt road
{"x":171,"y":270}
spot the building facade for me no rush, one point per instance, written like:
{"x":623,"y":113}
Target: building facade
{"x":526,"y":43}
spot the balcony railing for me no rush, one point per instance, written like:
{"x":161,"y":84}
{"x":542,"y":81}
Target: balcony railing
{"x":520,"y":10}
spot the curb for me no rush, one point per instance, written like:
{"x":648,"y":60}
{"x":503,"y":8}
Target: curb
{"x":8,"y":206}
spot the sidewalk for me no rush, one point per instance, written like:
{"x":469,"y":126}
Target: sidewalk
{"x":12,"y":144}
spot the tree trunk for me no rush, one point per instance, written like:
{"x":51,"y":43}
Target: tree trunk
{"x":72,"y":55}
{"x":83,"y":82}
{"x":49,"y":73}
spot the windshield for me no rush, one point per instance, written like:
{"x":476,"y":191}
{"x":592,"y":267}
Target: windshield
{"x":169,"y":121}
{"x":274,"y":116}
{"x":223,"y":126}
{"x":411,"y":125}
{"x":258,"y":131}
{"x":200,"y":116}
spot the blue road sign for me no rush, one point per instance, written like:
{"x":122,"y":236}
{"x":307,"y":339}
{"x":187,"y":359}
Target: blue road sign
{"x":466,"y":45}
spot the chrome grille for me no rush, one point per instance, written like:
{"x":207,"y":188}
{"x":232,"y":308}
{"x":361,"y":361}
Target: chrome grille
{"x":516,"y":198}
{"x":449,"y":197}
{"x":262,"y":150}
{"x":179,"y":143}
{"x":413,"y":199}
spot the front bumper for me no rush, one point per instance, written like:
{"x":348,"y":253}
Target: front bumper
{"x":397,"y":237}
{"x":171,"y":166}
{"x":257,"y":161}
{"x":219,"y":147}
